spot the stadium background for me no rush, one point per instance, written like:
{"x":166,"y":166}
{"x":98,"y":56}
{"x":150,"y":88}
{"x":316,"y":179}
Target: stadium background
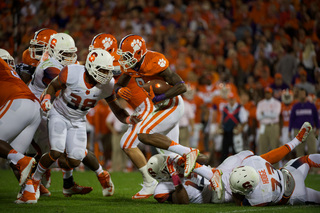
{"x":203,"y":40}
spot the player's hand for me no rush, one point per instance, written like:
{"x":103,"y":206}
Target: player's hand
{"x":170,"y":165}
{"x":125,"y":93}
{"x":156,"y":99}
{"x":134,"y":119}
{"x":46,"y":102}
{"x":25,"y":68}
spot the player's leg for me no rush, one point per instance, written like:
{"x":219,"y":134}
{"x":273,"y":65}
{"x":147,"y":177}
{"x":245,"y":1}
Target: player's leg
{"x":129,"y":143}
{"x":162,"y":121}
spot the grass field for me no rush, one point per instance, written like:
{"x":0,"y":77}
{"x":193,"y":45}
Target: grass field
{"x":126,"y":185}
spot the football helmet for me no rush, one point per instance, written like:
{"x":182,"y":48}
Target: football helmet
{"x":131,"y":50}
{"x":243,"y":180}
{"x":100,"y":59}
{"x":287,"y":96}
{"x":5,"y":55}
{"x":157,"y":168}
{"x":104,"y":41}
{"x":62,"y":47}
{"x":39,"y":42}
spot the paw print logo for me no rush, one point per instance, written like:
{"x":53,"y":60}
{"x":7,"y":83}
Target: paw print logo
{"x":107,"y":42}
{"x":162,"y":62}
{"x":136,"y":44}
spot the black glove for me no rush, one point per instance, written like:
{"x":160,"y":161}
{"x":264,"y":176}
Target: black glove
{"x":25,"y":68}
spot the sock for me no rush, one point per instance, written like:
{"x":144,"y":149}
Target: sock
{"x":275,"y":155}
{"x":67,"y":173}
{"x":145,"y":175}
{"x":293,"y":144}
{"x":99,"y":170}
{"x":313,"y":160}
{"x":68,"y":182}
{"x":39,"y":172}
{"x":204,"y":171}
{"x":179,"y":149}
{"x":14,"y":156}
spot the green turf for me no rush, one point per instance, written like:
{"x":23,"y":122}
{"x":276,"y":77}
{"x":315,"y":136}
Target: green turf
{"x":126,"y":184}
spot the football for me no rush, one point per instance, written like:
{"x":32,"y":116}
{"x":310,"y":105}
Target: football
{"x":158,"y":86}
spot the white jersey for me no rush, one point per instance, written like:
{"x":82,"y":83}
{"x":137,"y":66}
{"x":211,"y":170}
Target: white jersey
{"x":75,"y":101}
{"x":197,"y":187}
{"x":270,"y":187}
{"x":43,"y":75}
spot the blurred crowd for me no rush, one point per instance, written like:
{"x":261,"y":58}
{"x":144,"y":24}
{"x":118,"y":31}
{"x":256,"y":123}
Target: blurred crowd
{"x":223,"y":49}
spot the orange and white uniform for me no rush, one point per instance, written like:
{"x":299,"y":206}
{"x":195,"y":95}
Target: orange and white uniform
{"x":67,"y":123}
{"x":164,"y":118}
{"x":26,"y":59}
{"x":19,"y":110}
{"x":285,"y":113}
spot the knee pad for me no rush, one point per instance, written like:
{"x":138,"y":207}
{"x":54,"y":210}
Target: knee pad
{"x":77,"y":154}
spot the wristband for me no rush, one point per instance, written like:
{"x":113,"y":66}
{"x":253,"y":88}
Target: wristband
{"x":159,"y":98}
{"x":181,"y":82}
{"x":176,"y":180}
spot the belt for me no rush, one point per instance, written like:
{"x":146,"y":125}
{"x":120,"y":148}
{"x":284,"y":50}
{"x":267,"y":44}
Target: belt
{"x":289,"y":185}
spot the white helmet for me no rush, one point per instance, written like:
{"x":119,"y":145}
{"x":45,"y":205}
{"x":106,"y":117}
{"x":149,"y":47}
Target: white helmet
{"x":100,"y":59}
{"x":243,"y":180}
{"x":5,"y":55}
{"x":157,"y":167}
{"x":62,"y":47}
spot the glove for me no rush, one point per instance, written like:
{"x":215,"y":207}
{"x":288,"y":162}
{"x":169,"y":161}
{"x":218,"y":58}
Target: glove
{"x":25,"y":68}
{"x":170,"y":165}
{"x":125,"y":93}
{"x":46,"y":102}
{"x":156,"y":99}
{"x":134,"y":119}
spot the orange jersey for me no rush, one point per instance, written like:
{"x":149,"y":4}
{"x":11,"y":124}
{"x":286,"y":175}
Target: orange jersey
{"x":285,"y":112}
{"x":11,"y":86}
{"x":102,"y":111}
{"x":251,"y":108}
{"x":26,"y":59}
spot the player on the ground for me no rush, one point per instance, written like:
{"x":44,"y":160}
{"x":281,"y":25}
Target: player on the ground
{"x":81,"y":87}
{"x":160,"y":128}
{"x":19,"y":116}
{"x":198,"y":186}
{"x":141,"y":104}
{"x":32,"y":55}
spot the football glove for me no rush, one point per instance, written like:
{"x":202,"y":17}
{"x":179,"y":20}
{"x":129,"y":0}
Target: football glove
{"x":134,"y":119}
{"x":46,"y":103}
{"x":125,"y":93}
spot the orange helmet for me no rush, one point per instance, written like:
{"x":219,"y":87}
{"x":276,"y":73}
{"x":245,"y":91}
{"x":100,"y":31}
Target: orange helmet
{"x":39,"y":42}
{"x":104,"y":41}
{"x":131,"y":49}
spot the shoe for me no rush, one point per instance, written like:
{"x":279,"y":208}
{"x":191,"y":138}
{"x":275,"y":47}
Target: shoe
{"x":216,"y":182}
{"x":191,"y":159}
{"x":25,"y":166}
{"x":46,"y":178}
{"x":76,"y":189}
{"x":28,"y":194}
{"x":304,"y":132}
{"x":36,"y":186}
{"x":44,"y":191}
{"x":146,"y":191}
{"x":106,"y":183}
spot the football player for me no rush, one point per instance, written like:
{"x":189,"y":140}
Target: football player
{"x":81,"y":87}
{"x":19,"y":117}
{"x":32,"y":55}
{"x":203,"y":178}
{"x":160,"y":128}
{"x":141,"y":104}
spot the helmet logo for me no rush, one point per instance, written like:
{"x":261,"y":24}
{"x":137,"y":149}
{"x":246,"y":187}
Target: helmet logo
{"x":53,"y":43}
{"x":93,"y":57}
{"x":247,"y":185}
{"x":107,"y":42}
{"x":162,"y":62}
{"x":136,"y":44}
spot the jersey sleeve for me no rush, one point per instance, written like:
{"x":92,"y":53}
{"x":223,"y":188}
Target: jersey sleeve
{"x":155,"y":63}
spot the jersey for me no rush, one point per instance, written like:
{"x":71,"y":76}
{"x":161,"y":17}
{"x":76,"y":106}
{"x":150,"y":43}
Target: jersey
{"x":285,"y":112}
{"x":270,"y":188}
{"x":11,"y":86}
{"x":77,"y":98}
{"x":45,"y":72}
{"x":26,"y":59}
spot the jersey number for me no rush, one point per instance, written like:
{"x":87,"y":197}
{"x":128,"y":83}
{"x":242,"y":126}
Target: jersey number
{"x":76,"y":100}
{"x":274,"y":182}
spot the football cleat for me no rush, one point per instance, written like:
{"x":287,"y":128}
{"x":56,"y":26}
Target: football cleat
{"x":76,"y":189}
{"x":106,"y":183}
{"x":25,"y":166}
{"x":304,"y":132}
{"x":46,"y":178}
{"x":36,"y":185}
{"x":190,"y":163}
{"x":146,"y":191}
{"x":28,"y":194}
{"x":44,"y":191}
{"x":216,"y":182}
